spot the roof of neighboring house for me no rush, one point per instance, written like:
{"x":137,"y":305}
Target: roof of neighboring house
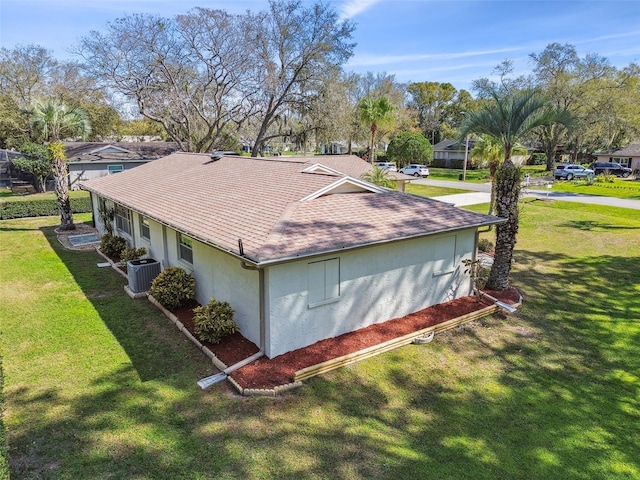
{"x":632,"y":150}
{"x":449,"y":144}
{"x":122,"y":152}
{"x":281,"y":207}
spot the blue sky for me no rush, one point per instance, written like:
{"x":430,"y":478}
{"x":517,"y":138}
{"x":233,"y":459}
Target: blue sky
{"x":416,"y":40}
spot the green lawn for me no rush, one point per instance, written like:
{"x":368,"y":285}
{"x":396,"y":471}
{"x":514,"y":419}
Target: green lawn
{"x":101,"y":386}
{"x":430,"y":191}
{"x":618,"y":188}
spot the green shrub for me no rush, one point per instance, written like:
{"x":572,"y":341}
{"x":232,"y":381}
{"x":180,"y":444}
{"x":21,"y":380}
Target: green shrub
{"x":173,"y":287}
{"x":485,"y":245}
{"x":112,"y":245}
{"x":128,"y":254}
{"x":40,"y":208}
{"x":537,"y":158}
{"x":214,"y":321}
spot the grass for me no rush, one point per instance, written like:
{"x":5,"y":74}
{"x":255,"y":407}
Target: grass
{"x":431,"y":191}
{"x":629,"y":189}
{"x":101,"y":386}
{"x":8,"y":196}
{"x":480,"y":176}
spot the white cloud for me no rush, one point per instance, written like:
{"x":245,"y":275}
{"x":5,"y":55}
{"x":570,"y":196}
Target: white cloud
{"x":372,"y":60}
{"x":351,"y":8}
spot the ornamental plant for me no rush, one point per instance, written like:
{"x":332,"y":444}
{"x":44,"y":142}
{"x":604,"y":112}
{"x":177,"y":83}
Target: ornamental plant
{"x":128,"y":254}
{"x":214,"y":321}
{"x":173,"y":287}
{"x":112,"y":245}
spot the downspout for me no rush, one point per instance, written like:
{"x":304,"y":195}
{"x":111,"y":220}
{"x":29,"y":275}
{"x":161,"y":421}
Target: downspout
{"x":504,"y":306}
{"x":219,"y":377}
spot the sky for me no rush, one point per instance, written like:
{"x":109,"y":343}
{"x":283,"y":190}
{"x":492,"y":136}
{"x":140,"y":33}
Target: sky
{"x":451,"y":41}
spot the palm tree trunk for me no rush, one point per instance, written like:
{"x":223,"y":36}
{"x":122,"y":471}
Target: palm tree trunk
{"x":507,"y":195}
{"x":62,"y":194}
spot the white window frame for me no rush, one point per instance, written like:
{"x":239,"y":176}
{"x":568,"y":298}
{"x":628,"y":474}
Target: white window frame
{"x":185,"y":248}
{"x":111,"y":169}
{"x":123,"y":220}
{"x":145,"y":228}
{"x":323,"y":278}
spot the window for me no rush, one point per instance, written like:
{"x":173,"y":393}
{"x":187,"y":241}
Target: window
{"x":324,"y":282}
{"x":144,"y":228}
{"x":123,"y":220}
{"x":114,"y":168}
{"x":185,"y":248}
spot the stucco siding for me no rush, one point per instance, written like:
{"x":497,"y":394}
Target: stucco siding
{"x":376,"y":284}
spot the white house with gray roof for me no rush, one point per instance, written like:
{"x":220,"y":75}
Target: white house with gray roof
{"x":301,"y":247}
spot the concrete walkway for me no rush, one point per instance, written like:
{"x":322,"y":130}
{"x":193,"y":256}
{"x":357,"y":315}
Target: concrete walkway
{"x":480,"y":193}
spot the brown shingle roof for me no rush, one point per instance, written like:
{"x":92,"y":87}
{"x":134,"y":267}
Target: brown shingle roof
{"x":100,"y":152}
{"x":258,"y":200}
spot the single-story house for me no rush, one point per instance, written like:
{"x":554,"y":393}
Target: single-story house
{"x":628,"y":156}
{"x":450,"y":153}
{"x":89,"y":160}
{"x":301,"y":247}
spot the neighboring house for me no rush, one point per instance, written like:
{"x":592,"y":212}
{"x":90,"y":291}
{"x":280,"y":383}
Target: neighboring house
{"x":450,"y":154}
{"x":7,"y":173}
{"x":89,"y":160}
{"x":301,"y":248}
{"x":628,"y":156}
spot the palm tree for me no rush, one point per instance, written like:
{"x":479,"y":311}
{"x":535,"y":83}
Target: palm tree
{"x":490,"y":149}
{"x":54,"y":120}
{"x":380,"y":177}
{"x":507,"y":118}
{"x":375,"y":112}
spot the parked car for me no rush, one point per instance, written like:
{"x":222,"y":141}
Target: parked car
{"x":390,"y":166}
{"x":611,"y":168}
{"x":415,"y":170}
{"x":570,"y":171}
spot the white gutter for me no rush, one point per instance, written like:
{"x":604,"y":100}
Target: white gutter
{"x":219,"y":377}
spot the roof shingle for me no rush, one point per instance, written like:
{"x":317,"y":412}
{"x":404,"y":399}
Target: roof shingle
{"x":259,"y":200}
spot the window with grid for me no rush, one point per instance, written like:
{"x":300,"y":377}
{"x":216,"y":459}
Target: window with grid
{"x":185,"y":248}
{"x":144,"y":228}
{"x":123,"y":220}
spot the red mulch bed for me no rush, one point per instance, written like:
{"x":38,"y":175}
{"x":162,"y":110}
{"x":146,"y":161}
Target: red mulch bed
{"x":267,"y":373}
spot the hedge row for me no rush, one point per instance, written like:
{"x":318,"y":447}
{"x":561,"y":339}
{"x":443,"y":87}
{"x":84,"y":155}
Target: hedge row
{"x":40,"y":208}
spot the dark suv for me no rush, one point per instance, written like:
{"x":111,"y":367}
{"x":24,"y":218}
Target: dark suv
{"x":611,"y":168}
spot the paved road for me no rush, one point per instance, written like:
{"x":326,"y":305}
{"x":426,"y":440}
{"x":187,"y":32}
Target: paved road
{"x":479,"y":193}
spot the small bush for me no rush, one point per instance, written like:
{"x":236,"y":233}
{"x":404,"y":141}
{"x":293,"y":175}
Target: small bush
{"x":605,"y":177}
{"x":173,"y":287}
{"x":214,"y":321}
{"x":485,"y":245}
{"x":128,"y":254}
{"x":112,"y":245}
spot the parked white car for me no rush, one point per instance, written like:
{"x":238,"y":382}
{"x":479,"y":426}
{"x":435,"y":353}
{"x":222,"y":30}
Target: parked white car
{"x":415,"y":170}
{"x":390,"y":166}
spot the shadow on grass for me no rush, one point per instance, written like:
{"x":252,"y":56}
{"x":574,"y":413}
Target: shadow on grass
{"x":547,"y":393}
{"x":153,"y":344}
{"x":589,"y":225}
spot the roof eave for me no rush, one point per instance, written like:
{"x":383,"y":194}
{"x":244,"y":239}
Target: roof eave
{"x":293,"y":258}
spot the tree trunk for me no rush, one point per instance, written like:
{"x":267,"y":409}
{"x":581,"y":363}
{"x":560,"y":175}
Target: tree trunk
{"x":62,"y":194}
{"x":372,"y":148}
{"x":507,"y":196}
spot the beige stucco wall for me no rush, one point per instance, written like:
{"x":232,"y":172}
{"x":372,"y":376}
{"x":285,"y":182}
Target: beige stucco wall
{"x":376,"y":284}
